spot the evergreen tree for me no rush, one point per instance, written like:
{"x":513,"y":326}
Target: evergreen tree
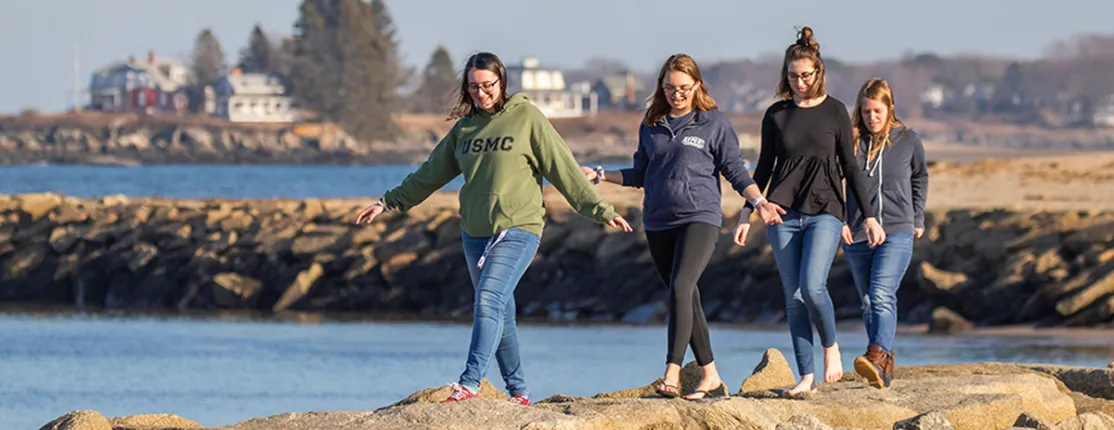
{"x":366,"y":112}
{"x":439,"y":82}
{"x":259,"y":56}
{"x":339,"y":67}
{"x":208,"y":64}
{"x":314,"y":63}
{"x":393,"y":74}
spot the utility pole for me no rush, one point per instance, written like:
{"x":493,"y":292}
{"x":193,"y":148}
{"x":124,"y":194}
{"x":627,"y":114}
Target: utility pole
{"x":76,"y":81}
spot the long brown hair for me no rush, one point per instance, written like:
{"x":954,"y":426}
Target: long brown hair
{"x":876,"y":89}
{"x":659,"y":105}
{"x":465,"y":106}
{"x":805,"y":48}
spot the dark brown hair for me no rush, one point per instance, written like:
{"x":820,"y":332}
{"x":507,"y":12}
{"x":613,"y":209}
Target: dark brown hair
{"x":465,"y":106}
{"x":876,"y":89}
{"x":659,"y":105}
{"x":805,"y":48}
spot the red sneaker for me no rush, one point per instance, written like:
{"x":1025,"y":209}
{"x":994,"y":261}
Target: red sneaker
{"x":460,"y":393}
{"x":519,"y":399}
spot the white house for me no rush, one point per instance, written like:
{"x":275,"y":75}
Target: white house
{"x":252,"y":97}
{"x":547,"y":89}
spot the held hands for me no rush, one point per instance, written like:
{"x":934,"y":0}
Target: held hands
{"x":369,"y":213}
{"x":847,"y":238}
{"x":620,"y":223}
{"x":589,"y":173}
{"x":770,"y":212}
{"x":918,"y":232}
{"x":874,"y":234}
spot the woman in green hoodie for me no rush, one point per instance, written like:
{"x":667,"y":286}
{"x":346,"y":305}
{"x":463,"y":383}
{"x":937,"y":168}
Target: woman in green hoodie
{"x":504,"y":146}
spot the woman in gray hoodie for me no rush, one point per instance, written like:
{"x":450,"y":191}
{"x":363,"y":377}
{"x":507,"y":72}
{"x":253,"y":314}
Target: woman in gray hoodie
{"x":893,"y":161}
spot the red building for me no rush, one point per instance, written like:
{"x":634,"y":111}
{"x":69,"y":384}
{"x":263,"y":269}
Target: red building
{"x":154,"y":85}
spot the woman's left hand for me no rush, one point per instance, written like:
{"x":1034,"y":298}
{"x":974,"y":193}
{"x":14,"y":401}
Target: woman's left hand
{"x":875,"y":235}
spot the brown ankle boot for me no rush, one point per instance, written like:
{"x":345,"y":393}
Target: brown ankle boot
{"x":888,"y":371}
{"x":875,"y":366}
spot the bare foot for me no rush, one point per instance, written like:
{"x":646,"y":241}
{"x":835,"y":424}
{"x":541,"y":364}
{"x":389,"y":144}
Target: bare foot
{"x":807,"y":385}
{"x":833,"y":365}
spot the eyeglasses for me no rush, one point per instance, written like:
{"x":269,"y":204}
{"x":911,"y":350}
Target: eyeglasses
{"x":487,"y":87}
{"x":806,"y":76}
{"x":684,"y":89}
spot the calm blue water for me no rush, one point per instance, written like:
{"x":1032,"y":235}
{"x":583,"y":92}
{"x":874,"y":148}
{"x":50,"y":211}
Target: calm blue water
{"x":206,"y":181}
{"x":222,"y":372}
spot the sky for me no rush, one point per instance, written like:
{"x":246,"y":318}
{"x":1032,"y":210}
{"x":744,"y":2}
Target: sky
{"x":40,"y":39}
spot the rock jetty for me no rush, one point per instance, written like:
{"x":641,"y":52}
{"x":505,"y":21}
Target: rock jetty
{"x":972,"y":267}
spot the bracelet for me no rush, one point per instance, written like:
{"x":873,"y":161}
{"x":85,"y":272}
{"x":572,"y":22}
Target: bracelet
{"x":599,"y":175}
{"x":758,"y":200}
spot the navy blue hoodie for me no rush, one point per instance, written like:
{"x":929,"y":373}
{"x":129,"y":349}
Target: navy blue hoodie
{"x":897,"y":186}
{"x":679,"y":170}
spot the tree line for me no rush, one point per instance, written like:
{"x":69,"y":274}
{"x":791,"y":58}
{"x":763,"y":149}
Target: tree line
{"x":341,"y":63}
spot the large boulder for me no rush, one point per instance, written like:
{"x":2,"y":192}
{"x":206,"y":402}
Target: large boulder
{"x":772,"y":372}
{"x":79,"y":420}
{"x":153,"y":422}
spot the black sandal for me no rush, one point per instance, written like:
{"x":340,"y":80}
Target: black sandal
{"x":720,"y":391}
{"x":666,"y":393}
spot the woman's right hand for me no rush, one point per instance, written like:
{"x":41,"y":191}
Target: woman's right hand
{"x":847,"y":238}
{"x":620,"y":223}
{"x":875,"y":235}
{"x":369,"y":213}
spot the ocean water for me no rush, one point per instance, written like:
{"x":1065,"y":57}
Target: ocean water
{"x":220,"y":372}
{"x":209,"y":181}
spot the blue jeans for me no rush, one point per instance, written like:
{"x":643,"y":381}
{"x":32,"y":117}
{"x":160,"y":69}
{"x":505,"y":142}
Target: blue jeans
{"x":804,"y":247}
{"x":504,"y":261}
{"x":878,"y":273}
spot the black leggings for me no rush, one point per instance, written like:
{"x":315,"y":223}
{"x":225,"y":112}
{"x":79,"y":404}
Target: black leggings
{"x":681,"y":254}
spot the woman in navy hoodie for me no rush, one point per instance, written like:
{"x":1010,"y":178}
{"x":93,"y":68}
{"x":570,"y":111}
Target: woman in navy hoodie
{"x":684,"y":145}
{"x":897,"y":185}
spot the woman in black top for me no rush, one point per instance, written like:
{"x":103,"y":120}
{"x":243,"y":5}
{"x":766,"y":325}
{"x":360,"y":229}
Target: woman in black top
{"x":807,"y":151}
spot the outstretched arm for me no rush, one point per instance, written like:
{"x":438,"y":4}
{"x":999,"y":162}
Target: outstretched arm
{"x":440,"y":168}
{"x":557,"y":164}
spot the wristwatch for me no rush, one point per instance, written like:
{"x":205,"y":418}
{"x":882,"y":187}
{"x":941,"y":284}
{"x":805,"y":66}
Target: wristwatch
{"x":599,"y":175}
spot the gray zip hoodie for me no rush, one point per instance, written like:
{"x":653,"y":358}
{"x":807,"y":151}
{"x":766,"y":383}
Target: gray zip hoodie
{"x":901,"y":174}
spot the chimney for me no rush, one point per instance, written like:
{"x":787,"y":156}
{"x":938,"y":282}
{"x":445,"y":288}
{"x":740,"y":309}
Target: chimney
{"x":151,"y":57}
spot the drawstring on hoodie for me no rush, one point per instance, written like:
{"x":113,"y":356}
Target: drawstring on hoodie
{"x":876,"y":169}
{"x":490,"y":244}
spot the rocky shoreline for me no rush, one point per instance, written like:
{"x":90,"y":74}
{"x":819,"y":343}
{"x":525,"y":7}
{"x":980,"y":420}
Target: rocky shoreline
{"x":132,"y":139}
{"x":128,"y":139}
{"x":959,"y":396}
{"x":972,"y":268}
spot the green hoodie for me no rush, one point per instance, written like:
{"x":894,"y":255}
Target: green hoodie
{"x":503,"y":157}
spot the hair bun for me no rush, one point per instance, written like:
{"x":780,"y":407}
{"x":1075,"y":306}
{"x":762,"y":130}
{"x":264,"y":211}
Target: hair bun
{"x":805,"y":37}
